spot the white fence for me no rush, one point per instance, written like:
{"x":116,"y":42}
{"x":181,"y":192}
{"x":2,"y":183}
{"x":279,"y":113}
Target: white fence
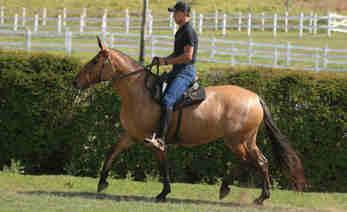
{"x":284,"y":55}
{"x":338,"y":23}
{"x":125,"y":21}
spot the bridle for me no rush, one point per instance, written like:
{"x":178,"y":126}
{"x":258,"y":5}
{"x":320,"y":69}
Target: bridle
{"x":147,"y":68}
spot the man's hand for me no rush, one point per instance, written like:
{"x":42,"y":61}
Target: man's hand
{"x":162,"y":61}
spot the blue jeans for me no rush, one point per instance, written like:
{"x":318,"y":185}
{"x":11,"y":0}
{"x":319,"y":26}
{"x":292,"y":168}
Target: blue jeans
{"x":180,"y":78}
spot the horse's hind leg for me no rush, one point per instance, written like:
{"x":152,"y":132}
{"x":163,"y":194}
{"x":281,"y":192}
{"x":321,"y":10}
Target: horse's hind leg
{"x":241,"y":151}
{"x":124,"y":143}
{"x":250,"y":154}
{"x":258,"y":160}
{"x":261,"y":164}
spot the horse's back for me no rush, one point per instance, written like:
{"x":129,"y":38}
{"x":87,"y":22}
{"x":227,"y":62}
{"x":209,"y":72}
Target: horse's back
{"x":226,"y":110}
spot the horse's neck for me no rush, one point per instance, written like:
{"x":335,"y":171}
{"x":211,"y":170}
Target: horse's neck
{"x":131,"y":89}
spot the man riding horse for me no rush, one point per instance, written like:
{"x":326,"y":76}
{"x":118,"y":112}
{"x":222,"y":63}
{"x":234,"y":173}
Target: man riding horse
{"x":183,"y":73}
{"x":228,"y":112}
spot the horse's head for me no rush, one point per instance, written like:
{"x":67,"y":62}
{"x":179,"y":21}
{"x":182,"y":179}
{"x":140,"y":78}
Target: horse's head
{"x":96,"y":70}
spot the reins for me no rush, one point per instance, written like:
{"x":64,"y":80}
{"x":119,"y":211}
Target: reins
{"x":147,"y":68}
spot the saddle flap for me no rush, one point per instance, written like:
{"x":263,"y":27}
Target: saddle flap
{"x":194,"y":95}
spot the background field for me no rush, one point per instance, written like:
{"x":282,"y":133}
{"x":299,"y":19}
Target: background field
{"x":65,"y":193}
{"x":199,"y":5}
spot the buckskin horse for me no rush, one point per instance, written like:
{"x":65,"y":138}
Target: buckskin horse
{"x":229,"y":112}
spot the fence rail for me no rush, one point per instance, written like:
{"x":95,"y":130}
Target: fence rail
{"x":282,"y":55}
{"x":125,"y":21}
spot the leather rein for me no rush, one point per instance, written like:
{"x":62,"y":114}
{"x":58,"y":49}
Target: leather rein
{"x":147,"y":68}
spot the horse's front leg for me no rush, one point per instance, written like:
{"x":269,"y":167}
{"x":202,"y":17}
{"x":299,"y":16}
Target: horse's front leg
{"x":164,"y":173}
{"x":124,"y":143}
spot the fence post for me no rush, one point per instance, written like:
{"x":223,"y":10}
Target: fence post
{"x":325,"y":56}
{"x":301,"y":25}
{"x":201,"y":21}
{"x":193,"y":18}
{"x":329,"y":24}
{"x":84,"y":12}
{"x":315,"y":24}
{"x":150,"y":24}
{"x":170,"y":20}
{"x":2,"y":15}
{"x":239,"y":22}
{"x":317,"y":61}
{"x":311,"y":23}
{"x":249,"y":24}
{"x":64,"y":16}
{"x":126,"y":21}
{"x":28,"y":40}
{"x":286,"y":21}
{"x":275,"y":58}
{"x":275,"y":25}
{"x":23,"y":16}
{"x":224,"y":30}
{"x":262,"y":21}
{"x":152,"y":46}
{"x":174,"y":28}
{"x":104,"y":23}
{"x":68,"y":42}
{"x":15,"y":22}
{"x":36,"y":23}
{"x":44,"y":16}
{"x":288,"y":54}
{"x":250,"y":51}
{"x":213,"y":49}
{"x":59,"y":24}
{"x":216,"y":20}
{"x":82,"y":23}
{"x":85,"y":19}
{"x":111,"y":40}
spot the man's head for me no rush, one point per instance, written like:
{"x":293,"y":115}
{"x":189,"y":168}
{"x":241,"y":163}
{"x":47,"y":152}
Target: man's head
{"x":181,"y":12}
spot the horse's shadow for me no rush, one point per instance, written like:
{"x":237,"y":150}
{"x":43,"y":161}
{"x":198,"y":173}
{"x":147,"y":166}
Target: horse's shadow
{"x":130,"y":198}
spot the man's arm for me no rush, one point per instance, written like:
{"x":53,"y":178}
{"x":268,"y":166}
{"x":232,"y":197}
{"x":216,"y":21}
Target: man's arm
{"x":186,"y":57}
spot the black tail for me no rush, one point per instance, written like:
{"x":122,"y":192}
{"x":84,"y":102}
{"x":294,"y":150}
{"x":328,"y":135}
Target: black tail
{"x":288,"y":158}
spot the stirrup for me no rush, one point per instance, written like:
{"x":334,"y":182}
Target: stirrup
{"x":156,"y":142}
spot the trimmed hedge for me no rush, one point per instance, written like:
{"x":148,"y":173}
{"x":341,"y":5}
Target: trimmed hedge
{"x":49,"y":128}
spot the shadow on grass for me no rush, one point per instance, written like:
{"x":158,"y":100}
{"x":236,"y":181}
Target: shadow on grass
{"x":130,"y":198}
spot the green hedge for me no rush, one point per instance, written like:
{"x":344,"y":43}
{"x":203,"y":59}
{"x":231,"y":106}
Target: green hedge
{"x":45,"y":127}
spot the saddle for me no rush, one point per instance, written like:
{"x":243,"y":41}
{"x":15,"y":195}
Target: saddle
{"x":157,"y":85}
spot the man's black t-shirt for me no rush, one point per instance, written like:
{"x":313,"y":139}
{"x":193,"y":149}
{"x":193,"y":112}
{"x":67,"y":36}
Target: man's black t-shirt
{"x":186,"y":35}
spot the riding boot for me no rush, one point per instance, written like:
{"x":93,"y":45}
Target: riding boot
{"x":165,"y":120}
{"x":163,"y":129}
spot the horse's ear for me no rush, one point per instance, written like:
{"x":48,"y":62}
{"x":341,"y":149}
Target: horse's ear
{"x":101,"y":44}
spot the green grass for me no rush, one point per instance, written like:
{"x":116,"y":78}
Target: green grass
{"x":66,"y":193}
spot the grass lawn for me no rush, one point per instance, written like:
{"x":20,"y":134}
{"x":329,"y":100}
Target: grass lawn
{"x":66,"y":193}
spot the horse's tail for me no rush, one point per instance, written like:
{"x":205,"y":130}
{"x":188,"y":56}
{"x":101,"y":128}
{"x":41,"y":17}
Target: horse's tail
{"x":288,"y":158}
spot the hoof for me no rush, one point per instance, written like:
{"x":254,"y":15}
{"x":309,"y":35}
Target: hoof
{"x":258,"y":201}
{"x":223,"y":192}
{"x":160,"y":198}
{"x":102,"y":186}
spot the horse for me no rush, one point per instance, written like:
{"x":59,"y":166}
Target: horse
{"x":229,"y":112}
